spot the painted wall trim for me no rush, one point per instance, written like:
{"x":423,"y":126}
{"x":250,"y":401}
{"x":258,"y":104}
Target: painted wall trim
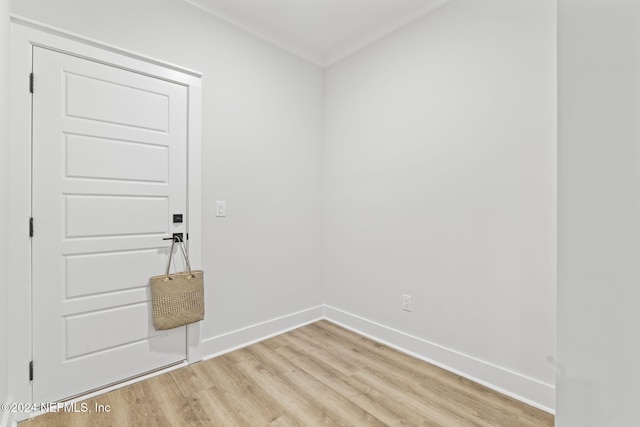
{"x":236,"y":18}
{"x":517,"y":386}
{"x":254,"y":26}
{"x":520,"y":387}
{"x":512,"y":384}
{"x":243,"y":337}
{"x":383,"y":29}
{"x":24,"y":35}
{"x":26,"y":22}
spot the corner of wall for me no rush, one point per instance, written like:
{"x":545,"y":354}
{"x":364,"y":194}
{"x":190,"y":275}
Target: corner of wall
{"x":4,"y":194}
{"x":322,"y":157}
{"x":430,"y":133}
{"x":509,"y":383}
{"x":598,"y":235}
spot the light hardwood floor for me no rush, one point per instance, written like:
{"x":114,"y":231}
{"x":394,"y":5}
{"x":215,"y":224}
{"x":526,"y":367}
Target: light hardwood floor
{"x":320,"y":374}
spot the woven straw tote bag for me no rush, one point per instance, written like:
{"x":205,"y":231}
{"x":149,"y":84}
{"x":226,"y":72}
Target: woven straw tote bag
{"x":178,"y":298}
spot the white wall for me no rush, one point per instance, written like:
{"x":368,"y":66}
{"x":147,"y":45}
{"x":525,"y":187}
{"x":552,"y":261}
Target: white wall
{"x":440,"y":183}
{"x":262,"y":127}
{"x":599,"y":213}
{"x":439,"y":174}
{"x":4,"y":191}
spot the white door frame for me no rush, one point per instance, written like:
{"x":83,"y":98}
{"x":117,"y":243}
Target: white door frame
{"x":24,"y":35}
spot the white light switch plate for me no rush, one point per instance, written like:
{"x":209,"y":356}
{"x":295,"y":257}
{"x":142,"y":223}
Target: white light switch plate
{"x":406,"y":303}
{"x":221,"y":208}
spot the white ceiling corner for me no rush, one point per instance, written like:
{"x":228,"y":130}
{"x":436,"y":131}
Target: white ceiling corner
{"x":320,"y":31}
{"x":381,"y":29}
{"x":254,"y":25}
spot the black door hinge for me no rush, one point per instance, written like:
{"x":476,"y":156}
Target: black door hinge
{"x":31,"y":371}
{"x":31,"y":82}
{"x":30,"y":227}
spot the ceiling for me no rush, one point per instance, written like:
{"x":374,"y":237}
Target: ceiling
{"x":321,"y":31}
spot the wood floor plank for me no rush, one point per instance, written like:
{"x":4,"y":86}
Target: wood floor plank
{"x":437,"y":382}
{"x":191,"y":379}
{"x":212,"y":408}
{"x":396,"y":388}
{"x":320,"y":374}
{"x":408,"y":370}
{"x":171,"y":406}
{"x":280,"y":387}
{"x":357,"y":393}
{"x":245,"y":396}
{"x":382,"y":403}
{"x":340,"y":408}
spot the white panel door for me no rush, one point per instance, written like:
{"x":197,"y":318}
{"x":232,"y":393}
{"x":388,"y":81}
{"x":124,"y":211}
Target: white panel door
{"x":109,"y":172}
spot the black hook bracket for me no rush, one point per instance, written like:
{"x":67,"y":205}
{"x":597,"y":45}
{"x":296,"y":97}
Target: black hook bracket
{"x":178,"y":237}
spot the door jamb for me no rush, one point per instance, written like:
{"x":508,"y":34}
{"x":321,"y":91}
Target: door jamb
{"x":24,"y":35}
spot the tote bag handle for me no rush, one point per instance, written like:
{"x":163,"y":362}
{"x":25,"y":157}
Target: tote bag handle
{"x":184,"y":255}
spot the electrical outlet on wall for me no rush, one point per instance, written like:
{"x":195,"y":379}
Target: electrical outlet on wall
{"x":406,"y":302}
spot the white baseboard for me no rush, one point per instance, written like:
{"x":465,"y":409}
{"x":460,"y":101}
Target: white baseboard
{"x":244,"y":337}
{"x":7,"y":418}
{"x":505,"y":381}
{"x":513,"y":384}
{"x":211,"y":347}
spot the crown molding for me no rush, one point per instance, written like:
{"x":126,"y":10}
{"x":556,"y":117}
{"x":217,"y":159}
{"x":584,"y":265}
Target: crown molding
{"x":382,"y":29}
{"x":368,"y":36}
{"x":253,"y":26}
